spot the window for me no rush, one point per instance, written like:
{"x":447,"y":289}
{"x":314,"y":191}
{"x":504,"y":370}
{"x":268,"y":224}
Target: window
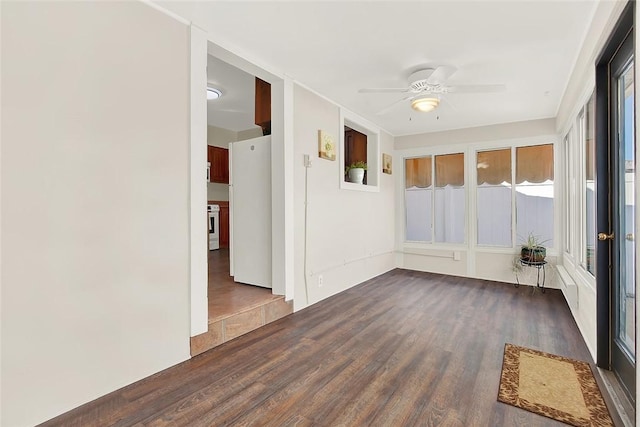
{"x":359,"y":142}
{"x":355,"y":149}
{"x":579,"y":217}
{"x":449,"y":205}
{"x":568,"y":192}
{"x":534,"y":192}
{"x":493,"y":196}
{"x":418,"y":199}
{"x":435,"y":212}
{"x":589,"y":188}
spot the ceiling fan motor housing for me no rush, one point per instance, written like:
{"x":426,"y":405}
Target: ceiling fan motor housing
{"x":419,"y":82}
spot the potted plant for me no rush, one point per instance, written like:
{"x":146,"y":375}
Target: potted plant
{"x":355,"y":171}
{"x":533,"y":249}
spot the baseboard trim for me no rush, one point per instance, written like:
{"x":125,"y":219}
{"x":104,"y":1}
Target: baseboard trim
{"x":620,"y":408}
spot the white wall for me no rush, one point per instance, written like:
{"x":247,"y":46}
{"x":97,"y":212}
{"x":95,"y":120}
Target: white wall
{"x":480,"y":262}
{"x":581,"y":85}
{"x":350,"y":235}
{"x":198,"y":240}
{"x":94,"y":181}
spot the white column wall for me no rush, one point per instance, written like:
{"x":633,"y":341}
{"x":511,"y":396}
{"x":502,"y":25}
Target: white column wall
{"x":95,"y":201}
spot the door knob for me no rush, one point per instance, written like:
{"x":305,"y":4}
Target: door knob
{"x":605,"y":236}
{"x":629,"y":237}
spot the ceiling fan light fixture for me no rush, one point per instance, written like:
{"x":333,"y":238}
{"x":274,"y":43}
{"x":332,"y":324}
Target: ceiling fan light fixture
{"x":425,"y":104}
{"x":213,"y":93}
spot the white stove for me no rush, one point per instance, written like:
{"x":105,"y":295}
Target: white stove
{"x":214,"y":226}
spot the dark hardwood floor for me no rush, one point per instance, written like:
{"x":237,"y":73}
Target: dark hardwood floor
{"x":403,"y":349}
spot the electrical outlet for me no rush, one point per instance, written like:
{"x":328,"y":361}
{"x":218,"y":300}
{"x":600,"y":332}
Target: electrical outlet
{"x":307,"y":161}
{"x":320,"y":280}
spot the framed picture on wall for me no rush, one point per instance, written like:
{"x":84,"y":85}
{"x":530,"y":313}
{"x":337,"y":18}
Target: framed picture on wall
{"x":326,"y":146}
{"x":386,"y":163}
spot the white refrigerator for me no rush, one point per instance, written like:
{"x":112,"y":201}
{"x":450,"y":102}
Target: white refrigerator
{"x":250,"y":211}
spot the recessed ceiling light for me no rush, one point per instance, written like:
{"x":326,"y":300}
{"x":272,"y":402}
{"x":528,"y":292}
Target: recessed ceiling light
{"x":425,"y":103}
{"x":213,"y":93}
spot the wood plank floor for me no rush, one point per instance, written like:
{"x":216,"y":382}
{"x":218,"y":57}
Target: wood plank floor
{"x":403,"y":349}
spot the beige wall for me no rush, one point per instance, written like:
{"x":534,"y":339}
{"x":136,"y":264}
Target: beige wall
{"x":349,"y":233}
{"x":249,"y":134}
{"x":95,"y":180}
{"x":220,"y":137}
{"x":504,"y":131}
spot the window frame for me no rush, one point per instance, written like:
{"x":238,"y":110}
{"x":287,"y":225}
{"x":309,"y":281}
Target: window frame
{"x":568,"y":190}
{"x":347,"y":118}
{"x":575,"y":260}
{"x":470,"y":151}
{"x":580,"y":198}
{"x":581,"y":178}
{"x":433,"y":242}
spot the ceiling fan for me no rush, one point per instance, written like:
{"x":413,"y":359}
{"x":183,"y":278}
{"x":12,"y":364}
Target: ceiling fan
{"x":426,"y":87}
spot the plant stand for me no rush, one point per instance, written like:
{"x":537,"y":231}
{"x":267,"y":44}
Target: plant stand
{"x":539,"y":265}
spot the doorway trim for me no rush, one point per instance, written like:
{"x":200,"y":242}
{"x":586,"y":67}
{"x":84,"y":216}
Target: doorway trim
{"x":282,"y":210}
{"x":198,"y":241}
{"x":604,"y":180}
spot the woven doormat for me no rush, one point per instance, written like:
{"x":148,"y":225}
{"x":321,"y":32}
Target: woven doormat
{"x":554,"y":386}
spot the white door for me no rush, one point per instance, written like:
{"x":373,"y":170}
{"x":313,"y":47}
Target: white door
{"x":250,"y":211}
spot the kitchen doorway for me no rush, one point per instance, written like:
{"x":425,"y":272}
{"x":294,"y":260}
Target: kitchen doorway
{"x":230,"y":119}
{"x":233,"y":309}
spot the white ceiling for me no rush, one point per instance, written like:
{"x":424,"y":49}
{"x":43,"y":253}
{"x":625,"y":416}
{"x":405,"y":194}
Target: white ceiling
{"x":337,"y":48}
{"x":234,"y":110}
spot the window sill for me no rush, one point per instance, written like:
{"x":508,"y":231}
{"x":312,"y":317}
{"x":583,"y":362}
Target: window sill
{"x":438,"y":246}
{"x":359,"y":187}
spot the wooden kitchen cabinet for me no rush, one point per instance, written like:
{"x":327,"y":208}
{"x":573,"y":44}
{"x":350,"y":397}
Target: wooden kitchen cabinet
{"x":355,"y":147}
{"x":224,"y":225}
{"x":219,"y":159}
{"x":223,"y":221}
{"x":263,"y":106}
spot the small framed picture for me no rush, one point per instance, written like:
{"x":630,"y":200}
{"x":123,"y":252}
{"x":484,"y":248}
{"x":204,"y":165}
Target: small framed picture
{"x":326,"y":146}
{"x":386,"y":163}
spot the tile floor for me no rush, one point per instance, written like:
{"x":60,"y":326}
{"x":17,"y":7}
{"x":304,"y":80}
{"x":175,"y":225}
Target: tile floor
{"x":235,"y":308}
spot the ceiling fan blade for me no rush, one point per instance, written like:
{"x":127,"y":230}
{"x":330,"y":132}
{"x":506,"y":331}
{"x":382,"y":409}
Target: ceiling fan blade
{"x":441,"y":74}
{"x":389,"y":107}
{"x":476,"y":88}
{"x":384,"y":90}
{"x":449,"y":103}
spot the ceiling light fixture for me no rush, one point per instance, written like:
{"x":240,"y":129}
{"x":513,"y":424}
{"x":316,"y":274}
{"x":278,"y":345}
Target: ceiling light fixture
{"x":425,"y":103}
{"x":213,"y":93}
